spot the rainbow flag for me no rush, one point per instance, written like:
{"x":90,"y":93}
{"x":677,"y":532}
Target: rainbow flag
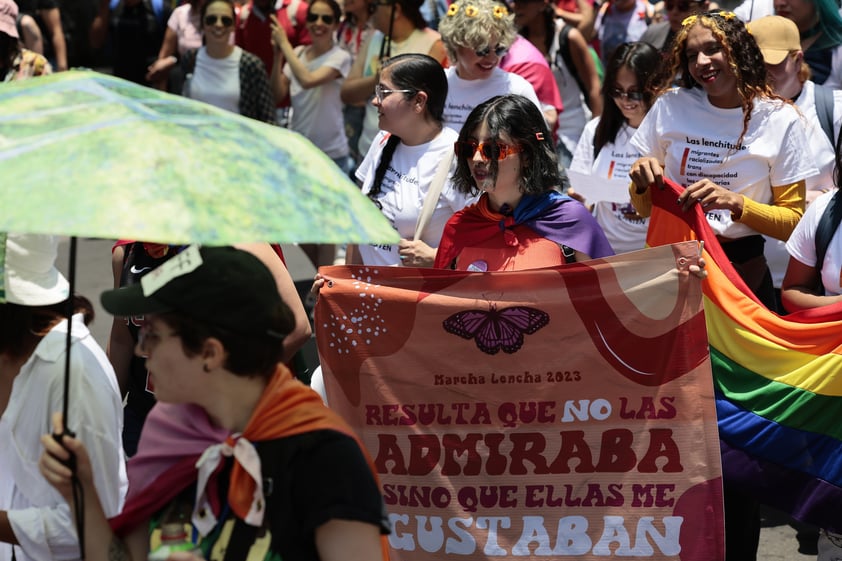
{"x":778,"y":397}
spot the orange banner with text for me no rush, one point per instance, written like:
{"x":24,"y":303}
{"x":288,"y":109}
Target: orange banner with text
{"x":562,"y":413}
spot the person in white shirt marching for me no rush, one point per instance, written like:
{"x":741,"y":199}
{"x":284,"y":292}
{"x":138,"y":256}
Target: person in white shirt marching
{"x":605,"y":150}
{"x":401,"y":166}
{"x":312,"y":78}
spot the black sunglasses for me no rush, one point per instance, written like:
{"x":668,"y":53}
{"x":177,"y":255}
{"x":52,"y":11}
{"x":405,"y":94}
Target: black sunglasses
{"x":327,"y":18}
{"x":631,"y":95}
{"x":499,"y":51}
{"x":227,"y":21}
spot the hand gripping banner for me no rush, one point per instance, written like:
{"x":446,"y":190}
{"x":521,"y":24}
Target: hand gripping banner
{"x":561,"y":413}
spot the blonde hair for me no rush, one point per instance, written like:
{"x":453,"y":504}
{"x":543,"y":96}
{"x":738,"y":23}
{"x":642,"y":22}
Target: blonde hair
{"x":471,"y":24}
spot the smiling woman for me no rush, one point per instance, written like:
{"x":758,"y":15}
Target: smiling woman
{"x":224,"y":75}
{"x":409,"y":160}
{"x":737,"y":147}
{"x":477,"y":33}
{"x":739,"y":151}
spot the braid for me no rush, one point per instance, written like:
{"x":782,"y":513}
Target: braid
{"x":382,"y":166}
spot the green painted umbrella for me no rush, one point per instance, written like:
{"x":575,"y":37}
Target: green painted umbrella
{"x":86,"y":154}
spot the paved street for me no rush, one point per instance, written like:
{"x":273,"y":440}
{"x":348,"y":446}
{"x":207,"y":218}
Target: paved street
{"x":777,"y":541}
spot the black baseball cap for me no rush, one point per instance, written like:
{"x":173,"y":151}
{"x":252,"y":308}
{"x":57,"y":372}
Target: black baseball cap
{"x":218,"y":286}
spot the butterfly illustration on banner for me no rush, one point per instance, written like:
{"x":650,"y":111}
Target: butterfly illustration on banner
{"x":495,"y":329}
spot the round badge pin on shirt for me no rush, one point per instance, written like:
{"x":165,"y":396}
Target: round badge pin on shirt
{"x":479,"y":266}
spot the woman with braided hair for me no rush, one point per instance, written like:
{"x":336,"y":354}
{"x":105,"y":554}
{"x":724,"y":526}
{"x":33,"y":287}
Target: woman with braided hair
{"x":738,"y":150}
{"x":406,"y":159}
{"x":737,"y":147}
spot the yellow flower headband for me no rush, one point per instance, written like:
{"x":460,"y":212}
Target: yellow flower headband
{"x":690,"y":20}
{"x":472,"y":11}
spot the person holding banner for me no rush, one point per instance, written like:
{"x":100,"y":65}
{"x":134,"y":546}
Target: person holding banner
{"x":237,"y":453}
{"x":738,"y":150}
{"x":736,"y":146}
{"x":505,"y":152}
{"x":604,"y":148}
{"x":408,"y":166}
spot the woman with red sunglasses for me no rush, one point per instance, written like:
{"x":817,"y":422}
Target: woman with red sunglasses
{"x":505,"y":152}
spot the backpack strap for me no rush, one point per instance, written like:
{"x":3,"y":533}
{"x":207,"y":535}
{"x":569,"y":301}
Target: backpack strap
{"x":564,"y":53}
{"x":828,"y":224}
{"x":824,"y":109}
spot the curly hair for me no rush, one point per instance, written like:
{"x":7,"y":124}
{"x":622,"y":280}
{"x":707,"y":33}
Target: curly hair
{"x":472,"y":24}
{"x":741,"y":51}
{"x":522,"y":122}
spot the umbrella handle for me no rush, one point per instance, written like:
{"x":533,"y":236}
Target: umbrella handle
{"x":71,"y":461}
{"x":78,"y":493}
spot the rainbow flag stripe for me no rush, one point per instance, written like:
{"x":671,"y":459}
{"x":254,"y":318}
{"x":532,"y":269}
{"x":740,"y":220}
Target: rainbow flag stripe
{"x":777,"y":390}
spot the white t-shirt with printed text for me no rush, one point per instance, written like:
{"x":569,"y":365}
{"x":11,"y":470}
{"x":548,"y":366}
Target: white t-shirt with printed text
{"x":696,"y":140}
{"x":404,"y":188}
{"x":624,"y":228}
{"x":464,"y":95}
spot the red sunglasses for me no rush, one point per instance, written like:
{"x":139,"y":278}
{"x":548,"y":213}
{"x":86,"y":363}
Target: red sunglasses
{"x":491,"y":150}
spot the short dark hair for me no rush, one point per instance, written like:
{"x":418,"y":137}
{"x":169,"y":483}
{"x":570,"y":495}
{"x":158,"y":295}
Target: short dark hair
{"x":21,"y":327}
{"x":248,"y":355}
{"x":518,"y":118}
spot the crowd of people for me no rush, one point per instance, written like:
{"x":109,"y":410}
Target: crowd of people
{"x":460,"y":129}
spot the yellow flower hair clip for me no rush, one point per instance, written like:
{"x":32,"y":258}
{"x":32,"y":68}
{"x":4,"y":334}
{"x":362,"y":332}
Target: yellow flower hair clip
{"x":689,"y":20}
{"x":453,"y":10}
{"x":727,"y":15}
{"x":500,"y":12}
{"x":471,"y":11}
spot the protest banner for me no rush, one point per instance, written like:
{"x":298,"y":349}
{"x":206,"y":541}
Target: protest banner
{"x":563,"y":413}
